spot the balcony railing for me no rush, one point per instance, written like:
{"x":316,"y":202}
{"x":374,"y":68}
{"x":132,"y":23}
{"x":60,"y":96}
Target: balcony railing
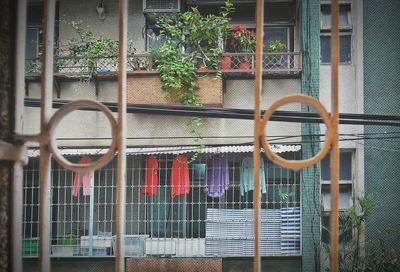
{"x":231,"y":63}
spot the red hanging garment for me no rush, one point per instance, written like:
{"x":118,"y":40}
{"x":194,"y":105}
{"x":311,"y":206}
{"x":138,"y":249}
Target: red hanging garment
{"x":150,"y":186}
{"x":180,"y":183}
{"x":83,"y":179}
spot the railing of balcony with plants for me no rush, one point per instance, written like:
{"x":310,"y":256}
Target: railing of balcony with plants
{"x":231,"y":63}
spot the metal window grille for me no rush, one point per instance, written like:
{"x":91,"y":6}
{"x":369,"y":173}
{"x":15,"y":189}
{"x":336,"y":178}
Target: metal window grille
{"x":187,"y":225}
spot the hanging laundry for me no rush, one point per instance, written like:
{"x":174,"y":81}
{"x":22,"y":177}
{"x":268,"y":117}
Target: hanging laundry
{"x":247,"y":176}
{"x":151,"y":179}
{"x":83,"y":179}
{"x":217,"y":176}
{"x":180,"y":183}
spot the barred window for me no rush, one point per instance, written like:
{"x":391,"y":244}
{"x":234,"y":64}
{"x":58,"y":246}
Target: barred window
{"x":165,"y":217}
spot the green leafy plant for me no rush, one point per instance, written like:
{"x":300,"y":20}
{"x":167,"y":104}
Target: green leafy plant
{"x":351,"y":229}
{"x":95,"y":52}
{"x":201,"y":38}
{"x":276,"y":46}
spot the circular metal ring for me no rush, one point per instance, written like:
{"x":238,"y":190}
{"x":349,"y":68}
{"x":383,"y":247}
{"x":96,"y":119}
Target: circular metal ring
{"x":55,"y":121}
{"x":297,"y":164}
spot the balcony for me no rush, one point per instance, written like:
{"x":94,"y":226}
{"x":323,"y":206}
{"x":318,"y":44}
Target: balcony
{"x":285,"y":63}
{"x":142,"y":68}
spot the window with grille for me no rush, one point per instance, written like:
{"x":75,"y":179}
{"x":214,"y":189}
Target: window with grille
{"x":161,"y":218}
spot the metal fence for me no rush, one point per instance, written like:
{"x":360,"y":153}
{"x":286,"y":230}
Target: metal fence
{"x":207,"y":213}
{"x":285,"y":62}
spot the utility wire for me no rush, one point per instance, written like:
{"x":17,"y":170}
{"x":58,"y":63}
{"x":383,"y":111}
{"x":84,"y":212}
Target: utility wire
{"x":244,"y":114}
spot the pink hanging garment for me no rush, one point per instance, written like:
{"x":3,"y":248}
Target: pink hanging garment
{"x":83,"y":179}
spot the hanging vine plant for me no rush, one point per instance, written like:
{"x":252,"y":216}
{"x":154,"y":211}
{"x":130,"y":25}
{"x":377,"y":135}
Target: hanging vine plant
{"x":201,"y":38}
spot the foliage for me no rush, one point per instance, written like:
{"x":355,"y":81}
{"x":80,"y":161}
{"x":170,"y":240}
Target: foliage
{"x":276,"y":46}
{"x":380,"y":258}
{"x":178,"y":74}
{"x":242,"y":39}
{"x":201,"y":37}
{"x":351,"y":229}
{"x":199,"y":34}
{"x":91,"y":49}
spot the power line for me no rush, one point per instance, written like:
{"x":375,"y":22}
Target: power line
{"x":243,"y":114}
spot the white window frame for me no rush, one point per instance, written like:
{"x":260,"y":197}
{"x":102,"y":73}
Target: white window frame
{"x":344,"y":30}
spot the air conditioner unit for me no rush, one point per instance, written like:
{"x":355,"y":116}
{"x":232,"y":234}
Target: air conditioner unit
{"x":151,"y":6}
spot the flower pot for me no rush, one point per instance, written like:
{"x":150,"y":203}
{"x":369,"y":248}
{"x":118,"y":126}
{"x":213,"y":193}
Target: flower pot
{"x":226,"y":63}
{"x":245,"y":65}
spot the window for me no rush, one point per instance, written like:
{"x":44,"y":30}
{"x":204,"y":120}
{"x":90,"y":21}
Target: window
{"x":279,"y":19}
{"x":326,"y":226}
{"x":345,"y":28}
{"x":34,"y":34}
{"x":345,"y":190}
{"x":345,"y":174}
{"x":153,"y":38}
{"x":190,"y":224}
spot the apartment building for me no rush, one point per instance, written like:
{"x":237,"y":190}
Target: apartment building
{"x":179,"y":215}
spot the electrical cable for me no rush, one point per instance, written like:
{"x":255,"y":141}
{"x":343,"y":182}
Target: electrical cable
{"x":243,"y":114}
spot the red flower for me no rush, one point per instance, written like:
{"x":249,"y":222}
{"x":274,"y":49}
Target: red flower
{"x":238,"y":28}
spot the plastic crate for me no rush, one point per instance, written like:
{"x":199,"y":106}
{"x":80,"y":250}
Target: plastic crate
{"x":30,"y":247}
{"x":68,"y":240}
{"x":64,"y":250}
{"x":98,"y":241}
{"x":134,"y":244}
{"x":96,"y":251}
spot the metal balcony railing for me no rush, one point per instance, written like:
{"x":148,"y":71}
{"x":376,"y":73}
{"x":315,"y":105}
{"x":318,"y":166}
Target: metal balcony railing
{"x":231,"y":63}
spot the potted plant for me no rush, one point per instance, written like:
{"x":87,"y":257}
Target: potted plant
{"x":139,"y":63}
{"x":97,"y":53}
{"x":243,"y":41}
{"x":201,"y":36}
{"x":275,"y":46}
{"x":226,"y":63}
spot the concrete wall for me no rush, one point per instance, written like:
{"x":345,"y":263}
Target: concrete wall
{"x":228,"y":265}
{"x":239,"y":94}
{"x":85,"y":11}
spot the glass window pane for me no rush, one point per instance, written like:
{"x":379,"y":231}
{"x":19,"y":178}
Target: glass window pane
{"x":344,"y":17}
{"x":278,"y":13}
{"x":345,"y":167}
{"x":344,"y":49}
{"x":326,"y":19}
{"x":154,"y":39}
{"x":326,"y":226}
{"x":276,"y":33}
{"x":344,"y":198}
{"x":32,"y":36}
{"x":325,"y":43}
{"x":243,"y":14}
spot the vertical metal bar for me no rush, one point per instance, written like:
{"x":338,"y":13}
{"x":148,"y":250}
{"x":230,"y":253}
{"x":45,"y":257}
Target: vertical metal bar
{"x":334,"y":239}
{"x":45,"y":114}
{"x":257,"y":133}
{"x":121,"y":167}
{"x":17,"y":184}
{"x":91,"y":215}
